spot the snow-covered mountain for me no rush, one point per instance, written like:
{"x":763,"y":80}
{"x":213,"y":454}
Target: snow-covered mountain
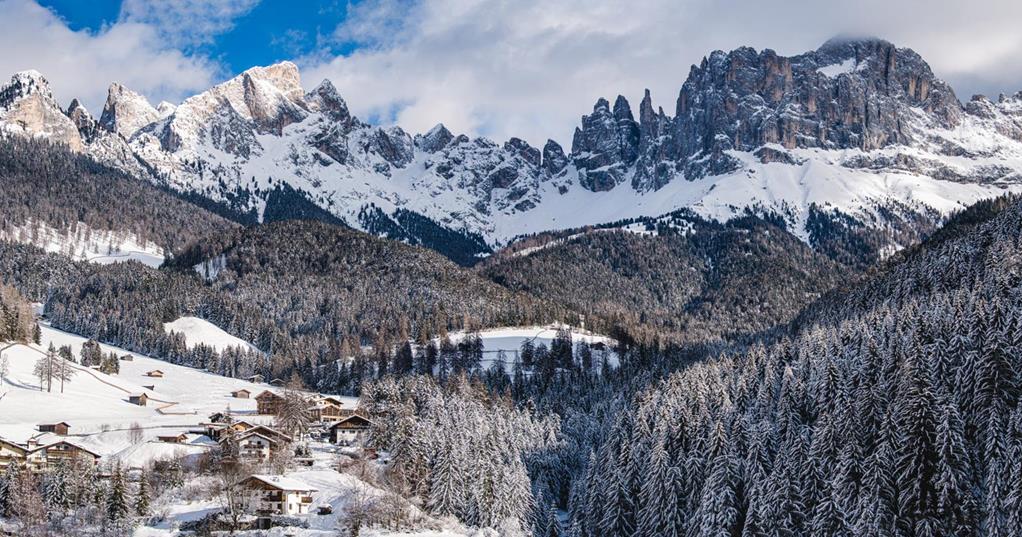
{"x":858,"y":130}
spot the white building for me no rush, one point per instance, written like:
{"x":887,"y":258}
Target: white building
{"x":276,"y":495}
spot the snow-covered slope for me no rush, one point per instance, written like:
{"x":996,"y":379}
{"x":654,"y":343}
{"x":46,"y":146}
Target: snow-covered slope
{"x":860,"y":127}
{"x":81,"y":243}
{"x":510,"y":340}
{"x":196,"y":331}
{"x":96,"y":405}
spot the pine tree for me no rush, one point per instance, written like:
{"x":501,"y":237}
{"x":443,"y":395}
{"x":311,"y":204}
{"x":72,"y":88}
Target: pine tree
{"x":8,"y":483}
{"x":143,"y":499}
{"x":55,"y":488}
{"x":718,"y":508}
{"x":117,"y":505}
{"x":955,"y":504}
{"x":446,"y":489}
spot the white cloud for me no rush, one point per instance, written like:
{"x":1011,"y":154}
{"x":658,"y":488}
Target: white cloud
{"x":82,"y":64}
{"x":186,"y":23}
{"x":530,"y":68}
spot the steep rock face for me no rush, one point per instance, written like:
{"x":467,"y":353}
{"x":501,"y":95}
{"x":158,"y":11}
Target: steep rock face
{"x":605,"y":145}
{"x":554,"y":159}
{"x":126,"y":112}
{"x":87,"y":125}
{"x":327,"y":100}
{"x":848,"y":94}
{"x":27,"y":106}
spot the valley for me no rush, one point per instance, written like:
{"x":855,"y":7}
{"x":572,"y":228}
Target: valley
{"x":790,"y":304}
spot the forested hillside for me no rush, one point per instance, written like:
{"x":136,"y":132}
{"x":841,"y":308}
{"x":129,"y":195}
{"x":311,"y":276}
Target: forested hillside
{"x":679,"y":278}
{"x":49,"y":186}
{"x":305,"y":293}
{"x":894,"y":412}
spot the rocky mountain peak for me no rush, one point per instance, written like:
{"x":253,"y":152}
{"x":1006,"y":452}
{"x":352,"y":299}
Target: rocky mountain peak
{"x":857,"y":93}
{"x":283,"y":76}
{"x":23,"y":84}
{"x":554,"y":159}
{"x":325,"y":98}
{"x":27,"y":105}
{"x":436,"y":139}
{"x":126,"y":111}
{"x":165,"y":109}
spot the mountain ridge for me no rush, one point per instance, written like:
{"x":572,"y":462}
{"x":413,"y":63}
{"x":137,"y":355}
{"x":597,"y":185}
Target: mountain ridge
{"x":859,"y":129}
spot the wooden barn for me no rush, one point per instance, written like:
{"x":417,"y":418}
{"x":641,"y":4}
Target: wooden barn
{"x":55,"y":428}
{"x":140,"y":399}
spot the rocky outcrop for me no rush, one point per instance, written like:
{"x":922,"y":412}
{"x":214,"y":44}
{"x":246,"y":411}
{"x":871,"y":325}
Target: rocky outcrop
{"x":326,"y":99}
{"x":27,"y":106}
{"x":554,"y":159}
{"x":436,"y":139}
{"x":394,"y":145}
{"x":88,"y":127}
{"x":126,"y":112}
{"x":847,"y":94}
{"x":605,"y":145}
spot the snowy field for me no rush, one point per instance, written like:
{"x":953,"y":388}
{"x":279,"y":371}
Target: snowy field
{"x":510,"y":339}
{"x":198,"y":331}
{"x":96,"y":405}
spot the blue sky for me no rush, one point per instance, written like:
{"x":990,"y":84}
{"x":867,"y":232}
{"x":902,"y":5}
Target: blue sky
{"x":268,"y":32}
{"x":497,"y":68}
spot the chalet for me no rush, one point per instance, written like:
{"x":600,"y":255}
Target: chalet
{"x":268,"y":402}
{"x":9,"y":451}
{"x":255,"y":379}
{"x":63,"y":450}
{"x":276,"y":495}
{"x":38,"y":457}
{"x":241,"y":394}
{"x":328,"y":410}
{"x":127,"y":358}
{"x":150,"y":387}
{"x":280,"y":383}
{"x":140,"y":399}
{"x":55,"y":428}
{"x":255,"y":443}
{"x":350,"y":430}
{"x":155,"y":373}
{"x":255,"y":446}
{"x":173,"y":438}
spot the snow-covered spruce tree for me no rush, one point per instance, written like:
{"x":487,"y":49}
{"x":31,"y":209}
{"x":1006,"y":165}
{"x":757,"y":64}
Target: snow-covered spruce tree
{"x":118,"y":505}
{"x":143,"y":500}
{"x":56,"y":489}
{"x":8,"y":481}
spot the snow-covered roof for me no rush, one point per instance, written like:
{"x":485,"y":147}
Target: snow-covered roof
{"x":283,"y":483}
{"x":76,"y":446}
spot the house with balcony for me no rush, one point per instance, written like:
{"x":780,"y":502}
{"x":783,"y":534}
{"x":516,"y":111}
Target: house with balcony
{"x":276,"y":495}
{"x":351,"y":430}
{"x":256,"y":444}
